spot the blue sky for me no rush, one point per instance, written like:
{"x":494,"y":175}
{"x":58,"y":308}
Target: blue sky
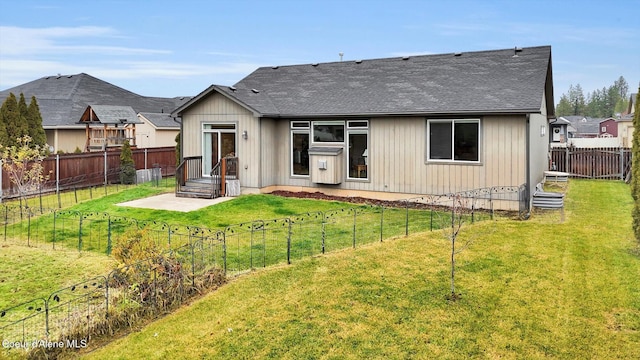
{"x":177,"y":48}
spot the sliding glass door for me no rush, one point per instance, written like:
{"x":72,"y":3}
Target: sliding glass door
{"x":218,"y":141}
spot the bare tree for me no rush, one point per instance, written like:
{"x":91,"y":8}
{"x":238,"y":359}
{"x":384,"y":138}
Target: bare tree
{"x":462,"y":212}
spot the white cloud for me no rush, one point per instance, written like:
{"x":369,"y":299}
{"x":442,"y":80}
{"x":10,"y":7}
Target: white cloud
{"x":17,"y":41}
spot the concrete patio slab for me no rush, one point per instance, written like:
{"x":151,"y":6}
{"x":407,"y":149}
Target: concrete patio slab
{"x":172,"y":203}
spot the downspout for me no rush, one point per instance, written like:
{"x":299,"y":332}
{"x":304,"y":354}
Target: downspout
{"x":528,"y":166}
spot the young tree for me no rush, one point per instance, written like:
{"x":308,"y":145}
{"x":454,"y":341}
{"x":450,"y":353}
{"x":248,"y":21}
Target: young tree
{"x":34,"y":120}
{"x":23,"y":164}
{"x":635,"y":170}
{"x":127,"y":166}
{"x":462,"y":214}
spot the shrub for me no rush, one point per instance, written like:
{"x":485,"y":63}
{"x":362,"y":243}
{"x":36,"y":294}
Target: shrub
{"x":127,"y":166}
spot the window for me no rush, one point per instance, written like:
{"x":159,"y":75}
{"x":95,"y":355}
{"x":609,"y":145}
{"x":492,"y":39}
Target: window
{"x":328,"y":131}
{"x":357,"y":145}
{"x":453,"y":140}
{"x":300,"y":148}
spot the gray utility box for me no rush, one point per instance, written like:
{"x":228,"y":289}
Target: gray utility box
{"x":326,"y":165}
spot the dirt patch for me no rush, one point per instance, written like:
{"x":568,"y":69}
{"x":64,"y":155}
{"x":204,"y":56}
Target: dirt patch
{"x":349,"y":199}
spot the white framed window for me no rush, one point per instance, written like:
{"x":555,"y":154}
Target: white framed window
{"x":456,"y":140}
{"x":358,"y":149}
{"x":299,"y":148}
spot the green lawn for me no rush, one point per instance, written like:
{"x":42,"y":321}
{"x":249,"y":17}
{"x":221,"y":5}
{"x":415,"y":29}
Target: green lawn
{"x":530,"y":289}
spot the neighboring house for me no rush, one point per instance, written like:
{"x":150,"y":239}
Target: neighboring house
{"x":64,"y":98}
{"x":583,"y":127}
{"x":559,"y":129}
{"x":108,"y":126}
{"x":385,"y":128}
{"x":156,"y":130}
{"x":608,"y":128}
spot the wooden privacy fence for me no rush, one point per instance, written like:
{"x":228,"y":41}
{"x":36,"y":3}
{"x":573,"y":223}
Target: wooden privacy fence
{"x":592,"y":163}
{"x":96,"y":168}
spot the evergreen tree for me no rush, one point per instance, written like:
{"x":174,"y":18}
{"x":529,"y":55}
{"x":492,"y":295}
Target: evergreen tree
{"x":635,"y":170}
{"x":10,"y":113}
{"x":34,"y":119}
{"x":576,"y":99}
{"x":127,"y":166}
{"x":23,"y":126}
{"x":564,"y":106}
{"x":4,"y":137}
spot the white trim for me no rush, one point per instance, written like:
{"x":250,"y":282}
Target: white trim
{"x":453,"y":121}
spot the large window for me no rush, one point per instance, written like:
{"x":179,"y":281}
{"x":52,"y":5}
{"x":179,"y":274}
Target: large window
{"x":300,"y":148}
{"x":358,"y":153}
{"x":454,"y":140}
{"x":328,"y":131}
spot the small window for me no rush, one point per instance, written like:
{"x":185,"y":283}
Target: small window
{"x":299,"y":124}
{"x":360,"y":124}
{"x":454,"y":140}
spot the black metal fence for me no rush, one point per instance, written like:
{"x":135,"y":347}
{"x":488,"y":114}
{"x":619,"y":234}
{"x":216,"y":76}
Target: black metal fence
{"x":69,"y":317}
{"x":77,"y":312}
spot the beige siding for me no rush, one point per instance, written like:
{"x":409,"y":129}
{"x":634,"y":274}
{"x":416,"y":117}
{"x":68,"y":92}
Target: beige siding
{"x":66,"y":140}
{"x":397,"y":165}
{"x":539,"y":145}
{"x":217,"y":108}
{"x":149,"y":136}
{"x":397,"y":159}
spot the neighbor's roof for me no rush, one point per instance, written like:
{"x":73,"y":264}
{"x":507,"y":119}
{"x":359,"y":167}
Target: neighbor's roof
{"x":63,"y":99}
{"x":110,"y":114}
{"x":501,"y":81}
{"x":161,"y":120}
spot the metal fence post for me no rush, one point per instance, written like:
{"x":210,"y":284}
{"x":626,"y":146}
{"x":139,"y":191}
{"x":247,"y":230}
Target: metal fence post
{"x":323,"y":234}
{"x":6,"y":219}
{"x":355,"y":212}
{"x":193,"y":263}
{"x":406,"y":222}
{"x":53,"y":240}
{"x":28,"y":227}
{"x":80,"y":232}
{"x":381,"y":221}
{"x":224,"y":252}
{"x":109,"y":245}
{"x":105,"y":173}
{"x":289,"y":243}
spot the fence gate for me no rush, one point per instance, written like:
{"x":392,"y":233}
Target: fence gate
{"x":592,"y":163}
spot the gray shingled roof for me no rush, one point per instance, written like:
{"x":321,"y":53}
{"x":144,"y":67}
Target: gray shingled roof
{"x":63,"y":99}
{"x":161,"y":120}
{"x":473,"y":82}
{"x":114,"y":114}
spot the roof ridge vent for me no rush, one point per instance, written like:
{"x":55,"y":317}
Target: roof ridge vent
{"x":457,"y":54}
{"x":314,"y":64}
{"x":405,"y":58}
{"x":232,"y":88}
{"x":358,"y":61}
{"x":275,"y":67}
{"x":255,"y":91}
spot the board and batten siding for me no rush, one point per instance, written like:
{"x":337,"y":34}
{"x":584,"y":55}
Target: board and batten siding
{"x":217,"y":108}
{"x":398,"y":164}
